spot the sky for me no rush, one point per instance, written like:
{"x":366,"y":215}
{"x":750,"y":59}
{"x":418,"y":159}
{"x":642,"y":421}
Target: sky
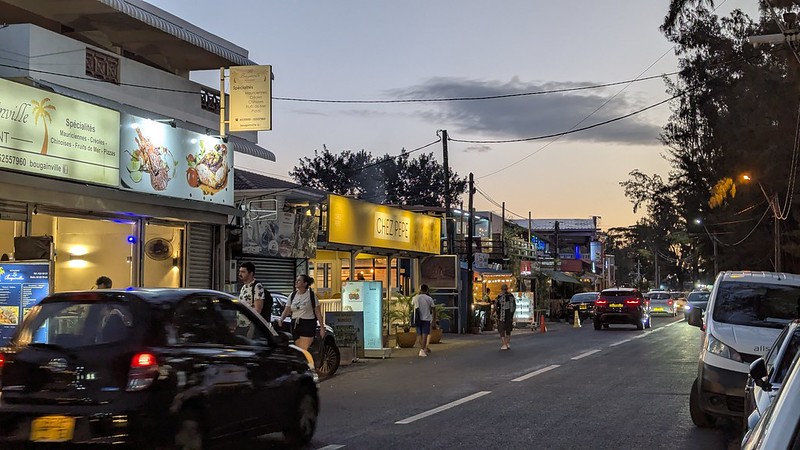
{"x":411,"y":49}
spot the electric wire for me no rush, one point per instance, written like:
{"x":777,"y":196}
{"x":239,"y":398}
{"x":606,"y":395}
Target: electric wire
{"x":784,"y":210}
{"x":715,"y":238}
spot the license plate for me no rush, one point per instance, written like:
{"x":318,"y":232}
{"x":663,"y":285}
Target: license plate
{"x":658,"y":309}
{"x":615,"y":305}
{"x":582,"y":307}
{"x":52,"y":429}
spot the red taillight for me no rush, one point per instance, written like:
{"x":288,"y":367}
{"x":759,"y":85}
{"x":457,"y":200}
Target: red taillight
{"x":669,"y":302}
{"x":601,"y":302}
{"x":143,"y":360}
{"x":631,"y":302}
{"x":144,"y":369}
{"x":2,"y":361}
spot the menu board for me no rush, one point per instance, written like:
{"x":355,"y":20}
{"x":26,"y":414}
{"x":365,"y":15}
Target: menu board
{"x":348,"y":326}
{"x":366,"y":296}
{"x":524,"y":311}
{"x":22,"y":285}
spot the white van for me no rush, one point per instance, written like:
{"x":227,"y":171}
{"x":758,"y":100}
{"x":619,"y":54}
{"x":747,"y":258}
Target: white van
{"x":746,"y":313}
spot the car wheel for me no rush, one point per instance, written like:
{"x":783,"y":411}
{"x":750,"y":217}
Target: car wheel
{"x":607,"y":326}
{"x":597,"y":325}
{"x":304,"y":422}
{"x":640,"y":325}
{"x":329,"y":361}
{"x":700,"y":418}
{"x":189,"y":435}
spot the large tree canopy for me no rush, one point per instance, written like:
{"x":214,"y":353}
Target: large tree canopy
{"x":398,"y":180}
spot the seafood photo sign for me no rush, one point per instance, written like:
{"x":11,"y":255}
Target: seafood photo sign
{"x":159,"y":159}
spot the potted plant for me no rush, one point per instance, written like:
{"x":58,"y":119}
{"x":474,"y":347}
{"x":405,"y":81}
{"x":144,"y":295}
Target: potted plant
{"x":440,"y":313}
{"x":402,"y":306}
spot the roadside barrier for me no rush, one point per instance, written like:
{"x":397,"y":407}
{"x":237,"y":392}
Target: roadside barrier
{"x":576,"y":322}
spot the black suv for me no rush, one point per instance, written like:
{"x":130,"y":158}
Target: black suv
{"x":621,"y":306}
{"x":173,"y":368}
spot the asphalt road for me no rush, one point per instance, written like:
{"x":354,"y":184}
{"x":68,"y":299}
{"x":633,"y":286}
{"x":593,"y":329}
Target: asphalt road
{"x":568,"y":388}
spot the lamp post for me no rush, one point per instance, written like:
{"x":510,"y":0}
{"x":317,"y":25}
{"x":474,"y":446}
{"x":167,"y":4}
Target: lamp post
{"x":772,"y":201}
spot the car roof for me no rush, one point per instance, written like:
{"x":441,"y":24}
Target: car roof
{"x":761,"y":277}
{"x":149,"y":295}
{"x":621,"y":289}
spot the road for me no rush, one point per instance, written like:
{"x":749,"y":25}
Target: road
{"x":568,"y":388}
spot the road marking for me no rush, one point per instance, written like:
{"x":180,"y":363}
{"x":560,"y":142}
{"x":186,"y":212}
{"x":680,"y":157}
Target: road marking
{"x":639,"y":336}
{"x":584,"y":355}
{"x":619,"y":343}
{"x":331,"y":447}
{"x":671,"y":324}
{"x":536,"y":372}
{"x":442,"y":408}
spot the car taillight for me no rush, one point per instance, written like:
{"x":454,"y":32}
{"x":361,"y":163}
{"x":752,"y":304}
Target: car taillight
{"x":669,"y":302}
{"x":631,"y":302}
{"x":143,"y":371}
{"x":601,"y":302}
{"x":2,"y":363}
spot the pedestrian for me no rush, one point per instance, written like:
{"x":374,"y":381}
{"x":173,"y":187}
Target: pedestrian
{"x":102,"y":282}
{"x":424,"y":303}
{"x":505,"y":306}
{"x":253,"y":292}
{"x":303,"y":307}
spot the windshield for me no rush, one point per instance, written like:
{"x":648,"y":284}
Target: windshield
{"x":585,"y":297}
{"x":76,"y":324}
{"x":698,"y":297}
{"x":756,"y":304}
{"x":659,"y":296}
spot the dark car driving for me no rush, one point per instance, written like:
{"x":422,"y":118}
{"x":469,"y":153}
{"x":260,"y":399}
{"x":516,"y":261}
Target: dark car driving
{"x":621,"y":306}
{"x":583,"y":303}
{"x":696,"y":300}
{"x":326,"y":354}
{"x":174,"y":368}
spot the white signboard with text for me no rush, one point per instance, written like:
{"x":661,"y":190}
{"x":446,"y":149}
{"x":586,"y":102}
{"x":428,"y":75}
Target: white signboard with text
{"x":250,"y":107}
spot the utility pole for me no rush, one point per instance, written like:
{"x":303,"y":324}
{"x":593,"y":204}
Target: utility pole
{"x":777,"y":239}
{"x":465,"y":321}
{"x":449,"y":226}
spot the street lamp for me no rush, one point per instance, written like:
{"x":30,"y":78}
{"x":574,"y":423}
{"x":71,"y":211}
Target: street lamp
{"x":776,"y":215}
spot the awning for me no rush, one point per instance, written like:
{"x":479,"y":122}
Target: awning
{"x":243,"y":146}
{"x":560,"y":276}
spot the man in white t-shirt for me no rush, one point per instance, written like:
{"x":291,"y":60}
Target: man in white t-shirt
{"x":424,"y":303}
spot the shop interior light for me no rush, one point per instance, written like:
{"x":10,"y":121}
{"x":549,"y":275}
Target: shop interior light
{"x":174,"y":262}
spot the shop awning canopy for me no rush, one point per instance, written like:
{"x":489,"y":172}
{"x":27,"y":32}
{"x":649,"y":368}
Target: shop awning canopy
{"x":561,"y":277}
{"x":243,"y":146}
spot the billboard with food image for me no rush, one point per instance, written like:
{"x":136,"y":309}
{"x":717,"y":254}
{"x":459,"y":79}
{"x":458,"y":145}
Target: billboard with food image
{"x":286,"y":235}
{"x":159,"y":159}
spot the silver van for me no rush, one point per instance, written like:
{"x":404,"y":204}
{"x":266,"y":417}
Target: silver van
{"x":746,"y":313}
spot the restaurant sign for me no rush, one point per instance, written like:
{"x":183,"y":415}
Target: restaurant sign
{"x":174,"y":162}
{"x":360,"y":223}
{"x":52,"y":135}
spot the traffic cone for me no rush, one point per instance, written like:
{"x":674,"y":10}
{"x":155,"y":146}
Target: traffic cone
{"x":576,"y":322}
{"x":542,"y":325}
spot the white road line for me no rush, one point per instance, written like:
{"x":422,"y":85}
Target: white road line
{"x":442,"y":408}
{"x":639,"y":336}
{"x":584,"y":355}
{"x":619,"y":343}
{"x":671,"y":324}
{"x":536,"y":372}
{"x":331,"y":447}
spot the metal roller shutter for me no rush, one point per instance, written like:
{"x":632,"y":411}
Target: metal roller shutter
{"x":199,"y":256}
{"x":275,"y":274}
{"x":13,"y":210}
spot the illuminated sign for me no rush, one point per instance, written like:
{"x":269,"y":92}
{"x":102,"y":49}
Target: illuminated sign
{"x":366,"y":296}
{"x":49,"y":134}
{"x":360,"y":223}
{"x":250,"y":98}
{"x":22,"y":285}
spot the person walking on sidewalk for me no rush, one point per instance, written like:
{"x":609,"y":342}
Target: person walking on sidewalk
{"x":423,"y":305}
{"x":505,"y":306}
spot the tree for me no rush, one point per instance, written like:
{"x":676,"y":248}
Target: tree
{"x":388,"y":179}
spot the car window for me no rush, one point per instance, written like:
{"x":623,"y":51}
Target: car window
{"x":772,"y":354}
{"x":698,"y":297}
{"x":196,"y":322}
{"x":241,"y":326}
{"x":74,"y":324}
{"x":756,"y":304}
{"x":277,"y":306}
{"x":659,"y":296}
{"x":583,"y":297}
{"x":786,"y":360}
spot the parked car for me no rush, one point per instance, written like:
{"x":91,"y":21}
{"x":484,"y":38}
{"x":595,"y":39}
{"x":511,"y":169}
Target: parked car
{"x":621,"y":306}
{"x":326,"y":354}
{"x":779,"y":427}
{"x":139,"y":368}
{"x":768,"y":372}
{"x":696,"y":299}
{"x":679,"y":300}
{"x":746,"y":313}
{"x":583,"y":303}
{"x":661,"y":302}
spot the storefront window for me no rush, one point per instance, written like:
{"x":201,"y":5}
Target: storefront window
{"x":163,"y":255}
{"x":8,"y":230}
{"x":86,"y":249}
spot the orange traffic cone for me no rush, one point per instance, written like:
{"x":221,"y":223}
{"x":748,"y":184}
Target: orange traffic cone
{"x":576,"y":322}
{"x":542,"y":325}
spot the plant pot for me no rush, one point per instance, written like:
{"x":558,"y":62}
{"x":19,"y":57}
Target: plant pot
{"x":436,"y":336}
{"x":406,"y":339}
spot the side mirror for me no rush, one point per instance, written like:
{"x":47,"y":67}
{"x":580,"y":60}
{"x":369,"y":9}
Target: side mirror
{"x":696,"y":317}
{"x":285,"y":338}
{"x":758,"y":371}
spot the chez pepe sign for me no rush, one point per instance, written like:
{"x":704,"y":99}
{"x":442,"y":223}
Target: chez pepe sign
{"x":52,"y":135}
{"x":392,"y":227}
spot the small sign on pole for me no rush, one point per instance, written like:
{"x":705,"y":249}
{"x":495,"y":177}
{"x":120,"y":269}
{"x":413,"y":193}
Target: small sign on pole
{"x":250,"y":106}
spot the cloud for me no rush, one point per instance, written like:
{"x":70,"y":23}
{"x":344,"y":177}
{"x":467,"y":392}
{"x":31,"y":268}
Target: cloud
{"x":533,"y":115}
{"x":480,"y":148}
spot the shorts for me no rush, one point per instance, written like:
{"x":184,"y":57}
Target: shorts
{"x":505,"y":326}
{"x":304,"y":328}
{"x":424,"y":327}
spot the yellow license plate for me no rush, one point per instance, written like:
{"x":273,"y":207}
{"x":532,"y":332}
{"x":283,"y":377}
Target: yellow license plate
{"x":582,"y":307}
{"x":52,"y":429}
{"x":615,"y":305}
{"x":658,"y":309}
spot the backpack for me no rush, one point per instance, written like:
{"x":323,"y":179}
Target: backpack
{"x":266,"y":309}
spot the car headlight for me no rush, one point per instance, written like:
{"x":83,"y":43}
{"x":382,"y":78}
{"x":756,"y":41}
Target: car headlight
{"x":687,"y":307}
{"x":717,"y":347}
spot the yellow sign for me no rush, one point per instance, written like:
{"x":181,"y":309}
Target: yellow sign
{"x":355,"y":222}
{"x":53,"y":135}
{"x":250,"y":107}
{"x":52,"y":429}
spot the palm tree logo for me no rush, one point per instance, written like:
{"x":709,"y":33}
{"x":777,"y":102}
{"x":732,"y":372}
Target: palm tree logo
{"x":40,"y":109}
